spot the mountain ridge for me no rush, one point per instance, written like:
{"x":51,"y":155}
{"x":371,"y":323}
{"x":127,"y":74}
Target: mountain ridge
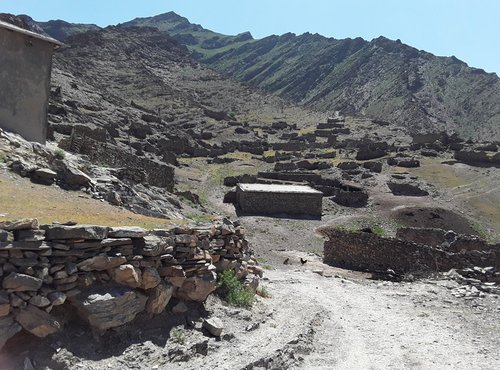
{"x":381,"y":78}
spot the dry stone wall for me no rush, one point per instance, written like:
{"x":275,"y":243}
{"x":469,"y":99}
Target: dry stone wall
{"x":367,"y":251}
{"x":110,"y":274}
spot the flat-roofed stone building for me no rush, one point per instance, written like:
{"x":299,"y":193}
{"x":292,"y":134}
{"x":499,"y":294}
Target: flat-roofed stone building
{"x":276,"y":199}
{"x":25,"y":67}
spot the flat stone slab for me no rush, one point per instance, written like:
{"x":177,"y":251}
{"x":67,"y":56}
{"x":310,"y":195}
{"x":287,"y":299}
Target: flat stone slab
{"x":89,"y":232}
{"x":24,"y":224}
{"x":127,"y":232}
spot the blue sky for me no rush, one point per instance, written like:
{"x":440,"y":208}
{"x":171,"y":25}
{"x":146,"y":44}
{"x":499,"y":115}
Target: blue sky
{"x":467,"y":29}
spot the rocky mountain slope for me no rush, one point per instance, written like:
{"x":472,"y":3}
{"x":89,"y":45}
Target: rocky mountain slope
{"x":382,"y":79}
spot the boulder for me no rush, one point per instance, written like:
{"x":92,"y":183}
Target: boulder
{"x":159,"y":297}
{"x":406,"y":189}
{"x":8,"y":328}
{"x":214,"y":326}
{"x":101,"y":263}
{"x":23,"y":224}
{"x":71,"y":176}
{"x":403,"y":162}
{"x":109,"y":305}
{"x":39,"y":301}
{"x":373,"y":166}
{"x":152,"y":245}
{"x":21,"y":283}
{"x":4,"y":304}
{"x":150,"y":278}
{"x":197,"y":288}
{"x":127,"y":275}
{"x":44,"y":176}
{"x":180,"y":308}
{"x":91,"y":232}
{"x":127,"y":232}
{"x":57,"y":298}
{"x":37,"y":321}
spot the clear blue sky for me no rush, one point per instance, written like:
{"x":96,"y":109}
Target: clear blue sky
{"x":468,"y":29}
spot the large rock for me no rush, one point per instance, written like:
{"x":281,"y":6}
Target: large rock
{"x":127,"y":275}
{"x":108,"y":306}
{"x":24,"y":224}
{"x":214,"y":326}
{"x":37,"y":321}
{"x":44,"y":176}
{"x":4,"y":304}
{"x":150,"y":278}
{"x":197,"y":288}
{"x":21,"y":283}
{"x":8,"y":328}
{"x":71,"y":176}
{"x":159,"y":297}
{"x":91,"y":232}
{"x":406,"y":189}
{"x":127,"y":232}
{"x":153,"y":245}
{"x":101,"y":263}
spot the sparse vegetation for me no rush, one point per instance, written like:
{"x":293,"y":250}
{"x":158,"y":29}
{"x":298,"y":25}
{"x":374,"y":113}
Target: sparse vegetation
{"x":178,"y":336}
{"x":2,"y":157}
{"x":233,"y":291}
{"x":263,"y":292}
{"x":200,"y":218}
{"x":378,"y":230}
{"x":59,"y":153}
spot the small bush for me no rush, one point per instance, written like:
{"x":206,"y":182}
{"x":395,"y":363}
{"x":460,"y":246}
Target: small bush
{"x":59,"y":153}
{"x":232,"y":115}
{"x":233,"y":291}
{"x":178,"y":336}
{"x":378,"y":230}
{"x":263,"y":292}
{"x":3,"y":157}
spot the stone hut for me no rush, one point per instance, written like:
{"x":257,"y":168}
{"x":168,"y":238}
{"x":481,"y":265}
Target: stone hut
{"x":276,"y":199}
{"x":26,"y":63}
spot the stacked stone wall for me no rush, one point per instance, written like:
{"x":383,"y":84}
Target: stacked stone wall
{"x":110,"y":274}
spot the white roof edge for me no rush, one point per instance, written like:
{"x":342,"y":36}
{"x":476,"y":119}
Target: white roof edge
{"x":12,"y":27}
{"x":278,"y":188}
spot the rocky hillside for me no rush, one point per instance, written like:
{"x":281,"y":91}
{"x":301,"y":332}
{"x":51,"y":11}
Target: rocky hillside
{"x":383,"y":79}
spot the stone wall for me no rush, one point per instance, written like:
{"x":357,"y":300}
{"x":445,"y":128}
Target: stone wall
{"x":260,"y":202}
{"x":110,"y":274}
{"x":367,"y":251}
{"x":156,"y":173}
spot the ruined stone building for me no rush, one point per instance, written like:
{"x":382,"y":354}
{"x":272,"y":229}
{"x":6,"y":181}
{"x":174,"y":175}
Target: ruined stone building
{"x":276,"y":199}
{"x":25,"y":67}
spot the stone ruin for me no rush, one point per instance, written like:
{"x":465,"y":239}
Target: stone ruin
{"x":414,"y":250}
{"x":110,"y":274}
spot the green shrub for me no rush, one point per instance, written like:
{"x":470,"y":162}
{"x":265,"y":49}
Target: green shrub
{"x":232,"y":115}
{"x":3,"y":157}
{"x":378,"y":230}
{"x":233,"y":291}
{"x":178,"y":336}
{"x":59,"y":153}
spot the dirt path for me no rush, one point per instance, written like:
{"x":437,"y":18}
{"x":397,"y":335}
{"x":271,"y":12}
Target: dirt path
{"x":315,"y":322}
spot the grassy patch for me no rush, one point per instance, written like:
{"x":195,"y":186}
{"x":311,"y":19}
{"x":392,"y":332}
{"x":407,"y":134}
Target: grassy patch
{"x":267,"y":267}
{"x":233,"y":291}
{"x":201,"y":218}
{"x":59,"y":153}
{"x":377,"y":230}
{"x":480,"y":231}
{"x":263,"y":292}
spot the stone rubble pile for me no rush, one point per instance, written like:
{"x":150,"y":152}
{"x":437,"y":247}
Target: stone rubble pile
{"x":476,"y":281}
{"x":110,"y":274}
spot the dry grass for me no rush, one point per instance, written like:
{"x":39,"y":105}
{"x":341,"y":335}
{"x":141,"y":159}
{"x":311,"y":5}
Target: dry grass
{"x":20,"y":198}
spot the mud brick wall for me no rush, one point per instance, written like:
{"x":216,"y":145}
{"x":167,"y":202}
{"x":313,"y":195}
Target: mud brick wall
{"x":367,"y":251}
{"x":110,"y":274}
